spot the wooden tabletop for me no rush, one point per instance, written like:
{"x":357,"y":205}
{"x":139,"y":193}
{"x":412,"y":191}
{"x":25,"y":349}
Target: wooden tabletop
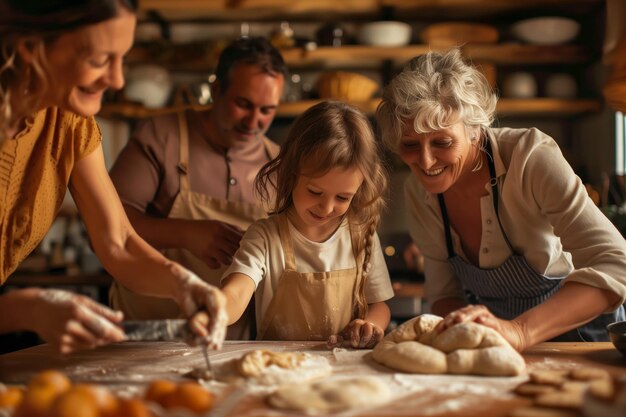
{"x":131,"y":366}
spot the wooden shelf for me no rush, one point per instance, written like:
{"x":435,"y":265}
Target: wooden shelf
{"x":361,"y":55}
{"x":255,"y":10}
{"x":137,"y":111}
{"x":546,"y":107}
{"x":549,"y":107}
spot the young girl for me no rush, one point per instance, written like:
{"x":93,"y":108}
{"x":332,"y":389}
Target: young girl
{"x":316,"y":266}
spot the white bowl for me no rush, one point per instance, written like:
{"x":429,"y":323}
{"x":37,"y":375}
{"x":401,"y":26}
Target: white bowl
{"x":385,"y":33}
{"x":148,"y":84}
{"x":547,"y":30}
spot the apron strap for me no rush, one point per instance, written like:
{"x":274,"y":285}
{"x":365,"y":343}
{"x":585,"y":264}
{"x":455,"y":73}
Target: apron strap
{"x":446,"y":225}
{"x":287,"y":243}
{"x":267,"y":146}
{"x":495,"y":194}
{"x":183,"y":158}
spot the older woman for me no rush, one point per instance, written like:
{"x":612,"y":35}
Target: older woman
{"x":509,"y":235}
{"x":57,"y":60}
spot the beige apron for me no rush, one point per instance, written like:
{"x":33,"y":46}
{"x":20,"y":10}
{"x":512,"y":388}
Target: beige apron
{"x":191,"y":205}
{"x":310,"y":305}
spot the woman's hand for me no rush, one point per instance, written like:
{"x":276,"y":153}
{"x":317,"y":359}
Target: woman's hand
{"x":509,"y":329}
{"x":359,"y":334}
{"x":194,"y":296}
{"x":72,"y":322}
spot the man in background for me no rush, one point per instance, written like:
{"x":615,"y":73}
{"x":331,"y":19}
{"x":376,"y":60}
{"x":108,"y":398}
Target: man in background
{"x":186,"y":179}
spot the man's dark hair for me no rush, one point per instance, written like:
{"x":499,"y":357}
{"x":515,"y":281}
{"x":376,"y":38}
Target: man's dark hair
{"x":253,"y":50}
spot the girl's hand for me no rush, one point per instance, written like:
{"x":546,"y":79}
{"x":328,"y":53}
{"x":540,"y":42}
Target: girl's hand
{"x":359,"y":334}
{"x":195,"y":296}
{"x":509,"y":329}
{"x":72,"y":322}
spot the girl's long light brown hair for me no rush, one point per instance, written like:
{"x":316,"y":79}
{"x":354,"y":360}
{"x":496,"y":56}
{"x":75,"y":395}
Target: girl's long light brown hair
{"x":330,"y":135}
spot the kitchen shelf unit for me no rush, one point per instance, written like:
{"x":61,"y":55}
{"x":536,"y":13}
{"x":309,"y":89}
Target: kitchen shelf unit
{"x":201,"y":57}
{"x":541,"y":107}
{"x":353,"y":55}
{"x":237,"y":10}
{"x":357,"y":55}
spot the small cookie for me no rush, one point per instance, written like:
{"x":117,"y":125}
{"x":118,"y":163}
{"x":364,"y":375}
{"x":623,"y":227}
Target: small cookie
{"x":549,"y":377}
{"x":560,"y":399}
{"x":541,"y":412}
{"x":588,"y":374}
{"x":576,"y":387}
{"x":601,"y":388}
{"x":531,"y":389}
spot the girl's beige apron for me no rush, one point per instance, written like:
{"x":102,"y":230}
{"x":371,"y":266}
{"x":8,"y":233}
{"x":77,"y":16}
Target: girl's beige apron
{"x":310,"y":305}
{"x":197,"y":206}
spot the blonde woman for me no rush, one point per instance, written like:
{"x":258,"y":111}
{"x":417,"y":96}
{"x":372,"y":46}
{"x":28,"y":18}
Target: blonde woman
{"x":57,"y":60}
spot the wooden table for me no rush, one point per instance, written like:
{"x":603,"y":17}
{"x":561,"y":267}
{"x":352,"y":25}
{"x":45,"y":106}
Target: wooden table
{"x":128,"y":367}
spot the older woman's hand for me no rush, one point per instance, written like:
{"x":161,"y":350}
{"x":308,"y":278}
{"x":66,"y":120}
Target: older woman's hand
{"x":509,"y":329}
{"x":194,"y":296}
{"x":72,"y":322}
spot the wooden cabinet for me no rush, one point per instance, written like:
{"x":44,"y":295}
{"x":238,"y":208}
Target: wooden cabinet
{"x":504,"y":55}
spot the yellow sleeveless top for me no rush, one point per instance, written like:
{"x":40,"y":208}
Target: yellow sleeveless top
{"x":35,"y":169}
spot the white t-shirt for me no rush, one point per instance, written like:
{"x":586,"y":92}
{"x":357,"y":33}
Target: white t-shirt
{"x":260,"y":256}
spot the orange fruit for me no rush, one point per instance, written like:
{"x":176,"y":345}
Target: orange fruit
{"x":36,"y":402}
{"x":104,"y":399}
{"x":41,"y":392}
{"x":11,"y":397}
{"x":158,"y":390}
{"x":50,"y":379}
{"x":190,"y":395}
{"x":75,"y":403}
{"x":133,"y":407}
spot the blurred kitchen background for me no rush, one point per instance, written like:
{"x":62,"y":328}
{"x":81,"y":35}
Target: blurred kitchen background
{"x":549,"y":60}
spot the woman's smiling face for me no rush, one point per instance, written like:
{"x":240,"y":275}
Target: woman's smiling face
{"x":438,"y":158}
{"x":86,"y":62}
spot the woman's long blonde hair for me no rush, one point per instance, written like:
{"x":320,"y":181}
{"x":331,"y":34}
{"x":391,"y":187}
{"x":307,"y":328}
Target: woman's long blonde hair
{"x":331,"y":134}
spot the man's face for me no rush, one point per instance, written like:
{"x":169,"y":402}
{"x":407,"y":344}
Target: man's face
{"x":245,"y":110}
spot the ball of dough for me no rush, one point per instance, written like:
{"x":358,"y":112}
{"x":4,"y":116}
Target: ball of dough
{"x":467,"y":336}
{"x":471,"y":348}
{"x":410,"y":356}
{"x":415,"y":328}
{"x":493,"y":361}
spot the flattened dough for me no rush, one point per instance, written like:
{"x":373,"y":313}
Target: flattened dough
{"x":466,"y":348}
{"x":331,"y":395}
{"x":265,"y":367}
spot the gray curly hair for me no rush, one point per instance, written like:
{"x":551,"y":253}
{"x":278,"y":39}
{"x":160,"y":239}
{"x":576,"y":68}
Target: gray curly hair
{"x":435,"y":91}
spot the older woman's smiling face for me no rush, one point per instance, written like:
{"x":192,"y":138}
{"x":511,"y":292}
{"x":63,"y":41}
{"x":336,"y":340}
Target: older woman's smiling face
{"x":438,"y":159}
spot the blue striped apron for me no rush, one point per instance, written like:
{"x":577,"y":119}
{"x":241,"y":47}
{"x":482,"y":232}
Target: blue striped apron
{"x":513,"y":287}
